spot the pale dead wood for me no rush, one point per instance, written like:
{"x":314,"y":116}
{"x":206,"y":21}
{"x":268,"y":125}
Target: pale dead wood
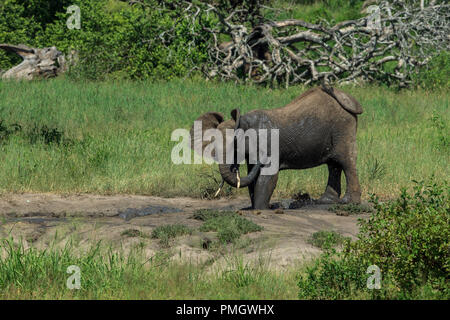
{"x":37,"y":63}
{"x":390,"y":47}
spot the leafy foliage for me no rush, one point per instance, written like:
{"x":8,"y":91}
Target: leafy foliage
{"x":115,"y":40}
{"x":408,"y":239}
{"x":436,"y":74}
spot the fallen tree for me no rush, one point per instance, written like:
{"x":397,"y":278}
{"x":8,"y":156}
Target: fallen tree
{"x":388,"y":45}
{"x":37,"y":63}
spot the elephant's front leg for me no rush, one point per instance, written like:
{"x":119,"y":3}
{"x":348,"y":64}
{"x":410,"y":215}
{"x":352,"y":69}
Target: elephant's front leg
{"x":262,"y":190}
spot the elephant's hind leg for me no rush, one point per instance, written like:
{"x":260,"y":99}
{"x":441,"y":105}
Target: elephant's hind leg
{"x":353,"y":190}
{"x":345,"y":155}
{"x":333,"y":189}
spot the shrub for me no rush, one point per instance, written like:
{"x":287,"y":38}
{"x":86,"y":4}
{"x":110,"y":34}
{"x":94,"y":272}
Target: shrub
{"x":331,"y":278}
{"x":26,"y":22}
{"x":410,"y":236}
{"x":436,"y":74}
{"x":115,"y":40}
{"x":408,"y":239}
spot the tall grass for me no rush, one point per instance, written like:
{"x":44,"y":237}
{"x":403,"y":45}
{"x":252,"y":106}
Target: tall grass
{"x":115,"y":137}
{"x":104,"y":274}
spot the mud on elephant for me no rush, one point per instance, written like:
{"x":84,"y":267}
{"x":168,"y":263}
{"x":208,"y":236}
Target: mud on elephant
{"x":318,"y":127}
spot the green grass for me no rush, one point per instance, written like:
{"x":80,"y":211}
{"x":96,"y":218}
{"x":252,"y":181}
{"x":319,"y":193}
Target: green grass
{"x":33,"y":274}
{"x":326,"y":239}
{"x":169,"y":231}
{"x":228,"y":225}
{"x":115,"y":137}
{"x":133,"y":233}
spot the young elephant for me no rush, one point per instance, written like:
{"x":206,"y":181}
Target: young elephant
{"x":318,"y":127}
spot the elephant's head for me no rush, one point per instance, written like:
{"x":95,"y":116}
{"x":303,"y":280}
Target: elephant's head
{"x":228,"y":171}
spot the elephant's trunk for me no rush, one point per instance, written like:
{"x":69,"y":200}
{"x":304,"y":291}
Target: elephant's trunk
{"x":230,"y":172}
{"x":231,"y":176}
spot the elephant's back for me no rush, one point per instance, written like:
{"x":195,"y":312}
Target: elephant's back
{"x":308,"y":126}
{"x":313,"y":103}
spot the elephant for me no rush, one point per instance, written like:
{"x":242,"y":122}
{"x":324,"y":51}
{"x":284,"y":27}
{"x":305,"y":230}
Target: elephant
{"x":318,"y":127}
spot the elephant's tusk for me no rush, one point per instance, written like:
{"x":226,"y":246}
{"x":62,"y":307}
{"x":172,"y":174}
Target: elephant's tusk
{"x":238,"y":179}
{"x":220,"y":188}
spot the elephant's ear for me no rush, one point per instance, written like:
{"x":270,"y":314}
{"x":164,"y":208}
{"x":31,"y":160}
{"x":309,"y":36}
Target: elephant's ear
{"x":209,"y":120}
{"x":236,"y":115}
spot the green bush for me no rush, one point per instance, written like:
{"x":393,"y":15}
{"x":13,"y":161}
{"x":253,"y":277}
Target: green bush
{"x":408,"y":239}
{"x":436,"y":74}
{"x":115,"y":40}
{"x":332,"y":278}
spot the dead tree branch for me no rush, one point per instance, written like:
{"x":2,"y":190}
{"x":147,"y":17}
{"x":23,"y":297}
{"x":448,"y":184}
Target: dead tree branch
{"x":388,"y":45}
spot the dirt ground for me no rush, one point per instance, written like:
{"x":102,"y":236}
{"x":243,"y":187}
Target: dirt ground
{"x":42,"y":219}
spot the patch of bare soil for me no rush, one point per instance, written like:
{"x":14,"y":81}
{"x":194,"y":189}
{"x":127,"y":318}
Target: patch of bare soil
{"x":127,"y":221}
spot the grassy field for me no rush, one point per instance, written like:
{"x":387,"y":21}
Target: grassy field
{"x":34,"y":274}
{"x":115,"y":137}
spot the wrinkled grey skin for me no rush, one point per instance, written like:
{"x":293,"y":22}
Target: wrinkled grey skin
{"x":318,"y":127}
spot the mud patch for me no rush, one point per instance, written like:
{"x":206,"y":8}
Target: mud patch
{"x":36,"y":220}
{"x":126,"y":222}
{"x":292,"y":204}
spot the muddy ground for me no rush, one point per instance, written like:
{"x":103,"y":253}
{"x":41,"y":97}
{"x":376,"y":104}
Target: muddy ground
{"x":42,"y":219}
